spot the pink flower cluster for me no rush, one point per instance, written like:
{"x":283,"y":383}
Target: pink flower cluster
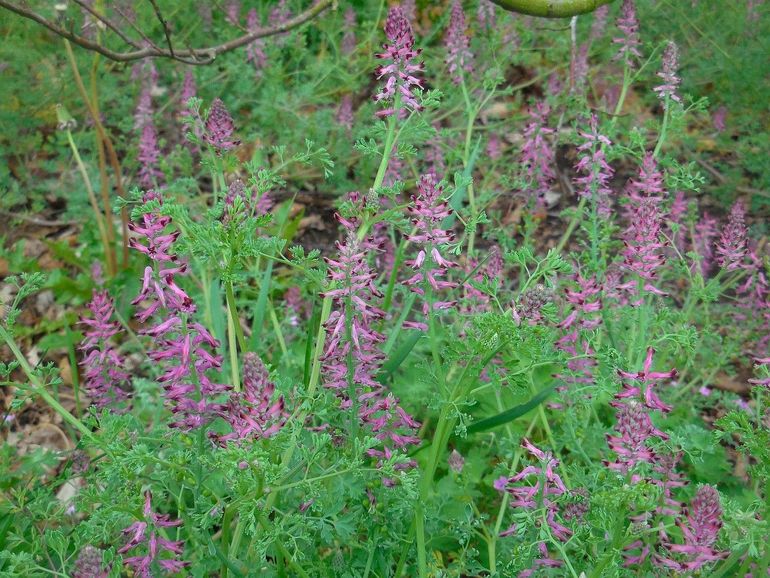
{"x":585,"y":299}
{"x":700,"y":531}
{"x":643,"y":253}
{"x":628,"y":42}
{"x":546,"y":485}
{"x":104,"y":379}
{"x":255,"y":51}
{"x":667,"y":90}
{"x":137,"y":533}
{"x":592,"y":164}
{"x":537,"y":155}
{"x":732,"y":246}
{"x":459,"y":59}
{"x":398,"y":92}
{"x":181,"y":346}
{"x":219,"y":128}
{"x":352,"y":358}
{"x":255,"y":412}
{"x":427,"y":212}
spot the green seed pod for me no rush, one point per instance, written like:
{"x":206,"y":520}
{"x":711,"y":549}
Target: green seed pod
{"x":551,"y":8}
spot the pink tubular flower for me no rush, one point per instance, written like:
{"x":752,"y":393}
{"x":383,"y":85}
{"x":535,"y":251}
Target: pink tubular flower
{"x":546,"y":484}
{"x":143,"y":111}
{"x":459,"y":59}
{"x":592,"y":162}
{"x":156,"y":544}
{"x":586,"y":302}
{"x":643,"y":249}
{"x":732,"y":246}
{"x":633,"y":430}
{"x":352,"y":358}
{"x":279,"y":16}
{"x":255,"y":412}
{"x":486,"y":14}
{"x":700,"y":532}
{"x":703,"y":243}
{"x":400,"y":80}
{"x":427,"y":212}
{"x":537,"y":156}
{"x":181,"y":346}
{"x":149,"y":174}
{"x":628,"y":43}
{"x":188,"y":91}
{"x":104,"y":379}
{"x":667,"y":90}
{"x":599,"y":23}
{"x":640,"y":386}
{"x":90,"y":564}
{"x":233,"y":12}
{"x":220,"y":128}
{"x":255,"y":50}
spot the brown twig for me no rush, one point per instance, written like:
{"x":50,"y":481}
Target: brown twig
{"x":107,"y":22}
{"x":196,"y":56}
{"x":164,"y":23}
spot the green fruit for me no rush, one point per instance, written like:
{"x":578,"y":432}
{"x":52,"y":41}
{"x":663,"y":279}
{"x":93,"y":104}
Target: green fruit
{"x":551,"y":8}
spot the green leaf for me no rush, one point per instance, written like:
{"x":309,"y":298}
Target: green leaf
{"x":395,"y":360}
{"x":511,"y":414}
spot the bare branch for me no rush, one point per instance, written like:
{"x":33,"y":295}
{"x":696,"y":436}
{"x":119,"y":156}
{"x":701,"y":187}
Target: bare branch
{"x":189,"y":55}
{"x":107,"y":22}
{"x":166,"y":28}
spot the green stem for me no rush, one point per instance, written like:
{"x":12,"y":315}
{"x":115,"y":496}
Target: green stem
{"x":664,"y":127}
{"x":39,"y":389}
{"x":232,"y":321}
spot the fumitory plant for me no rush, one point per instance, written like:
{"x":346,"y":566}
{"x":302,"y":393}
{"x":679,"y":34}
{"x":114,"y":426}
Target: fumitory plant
{"x":387,"y":289}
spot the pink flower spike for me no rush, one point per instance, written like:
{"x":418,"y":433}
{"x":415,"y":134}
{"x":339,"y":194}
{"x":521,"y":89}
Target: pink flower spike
{"x":459,"y":59}
{"x":732,"y":246}
{"x":400,"y":69}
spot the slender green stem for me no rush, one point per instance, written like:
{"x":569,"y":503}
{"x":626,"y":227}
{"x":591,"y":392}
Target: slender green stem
{"x":664,"y":127}
{"x":39,"y":389}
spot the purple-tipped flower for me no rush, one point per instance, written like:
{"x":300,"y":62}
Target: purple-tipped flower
{"x":706,"y":233}
{"x":599,"y":24}
{"x":545,"y":484}
{"x":351,"y":336}
{"x":279,"y":16}
{"x":189,"y":90}
{"x":592,"y":163}
{"x":667,"y":90}
{"x":90,"y":564}
{"x":456,"y":462}
{"x":233,"y":12}
{"x":181,"y":346}
{"x":104,"y":379}
{"x":640,"y":386}
{"x":348,"y":44}
{"x":220,"y":128}
{"x":427,"y":212}
{"x":732,"y":246}
{"x":628,"y":42}
{"x":643,"y":251}
{"x":401,"y":68}
{"x":255,"y":50}
{"x":634,"y":430}
{"x":700,"y":532}
{"x":255,"y":412}
{"x":146,"y":531}
{"x":537,"y":156}
{"x":486,"y":14}
{"x":150,"y":176}
{"x":143,"y":111}
{"x":586,"y":302}
{"x":459,"y":59}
